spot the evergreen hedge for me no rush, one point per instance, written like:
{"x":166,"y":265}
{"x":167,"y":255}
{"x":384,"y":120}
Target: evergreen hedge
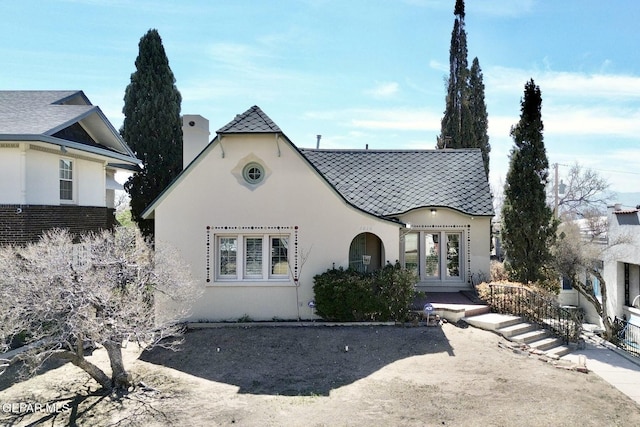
{"x":351,"y":296}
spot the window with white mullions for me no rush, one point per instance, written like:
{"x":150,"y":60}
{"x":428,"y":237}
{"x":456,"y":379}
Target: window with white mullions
{"x":437,"y":256}
{"x":66,"y":179}
{"x":252,"y":257}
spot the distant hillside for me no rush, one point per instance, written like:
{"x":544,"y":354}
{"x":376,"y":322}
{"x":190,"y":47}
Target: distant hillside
{"x":628,"y":200}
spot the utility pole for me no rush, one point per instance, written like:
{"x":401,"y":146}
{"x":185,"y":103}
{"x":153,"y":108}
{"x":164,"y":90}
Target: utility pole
{"x":555,"y":191}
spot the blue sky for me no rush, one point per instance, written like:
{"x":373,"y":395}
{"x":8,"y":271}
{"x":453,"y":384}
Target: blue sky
{"x":357,"y":72}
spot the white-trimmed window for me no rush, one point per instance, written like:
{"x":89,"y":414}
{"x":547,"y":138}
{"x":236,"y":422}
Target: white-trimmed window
{"x":435,"y":255}
{"x":252,"y":257}
{"x":66,"y":180}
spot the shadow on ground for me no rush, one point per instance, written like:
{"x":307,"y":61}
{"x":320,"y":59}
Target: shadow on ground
{"x":17,"y":372}
{"x":296,"y":361}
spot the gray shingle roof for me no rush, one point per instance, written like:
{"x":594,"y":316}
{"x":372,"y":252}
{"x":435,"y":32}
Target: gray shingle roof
{"x":387,"y":183}
{"x":254,"y":120}
{"x":40,"y":112}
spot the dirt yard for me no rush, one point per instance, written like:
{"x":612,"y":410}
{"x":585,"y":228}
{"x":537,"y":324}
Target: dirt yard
{"x":307,"y":376}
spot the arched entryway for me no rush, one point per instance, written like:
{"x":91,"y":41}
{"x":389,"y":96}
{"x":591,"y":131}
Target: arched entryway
{"x":366,"y":252}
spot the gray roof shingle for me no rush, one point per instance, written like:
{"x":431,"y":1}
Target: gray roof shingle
{"x":391,"y":182}
{"x":40,"y":112}
{"x":254,"y":120}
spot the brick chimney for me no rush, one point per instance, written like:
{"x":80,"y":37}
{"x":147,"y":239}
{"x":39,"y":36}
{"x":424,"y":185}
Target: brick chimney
{"x":195,"y":137}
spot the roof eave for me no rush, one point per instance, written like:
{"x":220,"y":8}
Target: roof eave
{"x":472,"y":214}
{"x":70,"y":144}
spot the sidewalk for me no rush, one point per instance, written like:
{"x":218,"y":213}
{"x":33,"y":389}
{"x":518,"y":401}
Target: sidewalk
{"x":611,"y":364}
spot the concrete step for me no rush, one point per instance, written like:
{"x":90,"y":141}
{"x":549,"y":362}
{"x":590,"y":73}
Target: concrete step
{"x":492,"y":321}
{"x":477,"y":310}
{"x":546,"y":343}
{"x":558,"y":351}
{"x":529,"y":337}
{"x":517,"y":329}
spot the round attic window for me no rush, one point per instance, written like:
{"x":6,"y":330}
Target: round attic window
{"x":253,"y":173}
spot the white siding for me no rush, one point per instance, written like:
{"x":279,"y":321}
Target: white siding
{"x":11,"y":175}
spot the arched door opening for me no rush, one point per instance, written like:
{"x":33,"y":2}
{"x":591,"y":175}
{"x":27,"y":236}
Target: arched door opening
{"x":366,"y":253}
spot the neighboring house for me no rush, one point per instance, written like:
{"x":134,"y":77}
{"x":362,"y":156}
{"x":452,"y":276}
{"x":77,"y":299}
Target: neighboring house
{"x":257,"y":218}
{"x":622,"y":265}
{"x":619,"y":246}
{"x":58,"y":158}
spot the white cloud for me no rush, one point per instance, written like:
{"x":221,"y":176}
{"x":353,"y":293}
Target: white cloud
{"x":384,"y":90}
{"x":440,"y":66}
{"x":561,"y":83}
{"x":584,"y":120}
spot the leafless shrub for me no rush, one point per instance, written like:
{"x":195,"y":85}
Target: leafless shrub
{"x":66,"y":297}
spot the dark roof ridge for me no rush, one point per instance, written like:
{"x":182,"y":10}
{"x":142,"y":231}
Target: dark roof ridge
{"x":254,"y":120}
{"x":390,"y":150}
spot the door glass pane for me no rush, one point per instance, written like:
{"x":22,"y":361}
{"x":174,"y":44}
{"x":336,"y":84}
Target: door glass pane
{"x":253,"y":256}
{"x":432,"y":258}
{"x":228,"y":250}
{"x":453,"y":255}
{"x":356,"y":251}
{"x":411,"y":252}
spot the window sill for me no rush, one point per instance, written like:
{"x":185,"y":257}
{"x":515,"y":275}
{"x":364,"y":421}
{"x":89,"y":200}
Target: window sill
{"x":220,"y":283}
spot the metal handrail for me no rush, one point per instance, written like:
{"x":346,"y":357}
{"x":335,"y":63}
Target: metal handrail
{"x":627,"y":336}
{"x":537,"y":308}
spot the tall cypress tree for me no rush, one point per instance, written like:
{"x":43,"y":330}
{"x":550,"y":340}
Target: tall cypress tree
{"x":152,"y":126}
{"x":456,"y":125}
{"x":478,"y":110}
{"x":528,"y":227}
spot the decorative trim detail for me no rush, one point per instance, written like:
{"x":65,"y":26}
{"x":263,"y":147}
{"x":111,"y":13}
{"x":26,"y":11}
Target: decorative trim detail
{"x":427,"y":227}
{"x":67,"y":154}
{"x":468,"y":253}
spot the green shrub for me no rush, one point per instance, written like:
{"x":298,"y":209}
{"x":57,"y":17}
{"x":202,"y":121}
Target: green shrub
{"x":348,"y":295}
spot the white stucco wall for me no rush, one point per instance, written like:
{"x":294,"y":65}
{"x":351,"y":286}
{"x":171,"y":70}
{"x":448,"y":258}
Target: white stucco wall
{"x":291,"y":195}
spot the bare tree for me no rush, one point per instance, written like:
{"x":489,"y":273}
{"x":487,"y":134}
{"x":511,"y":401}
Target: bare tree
{"x":585,"y":191}
{"x":66,"y":297}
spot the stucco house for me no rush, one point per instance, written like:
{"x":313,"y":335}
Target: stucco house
{"x":619,"y":264}
{"x":58,"y":158}
{"x":257,"y":218}
{"x":622,"y":268}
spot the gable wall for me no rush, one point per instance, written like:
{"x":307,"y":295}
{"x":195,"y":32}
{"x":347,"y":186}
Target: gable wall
{"x":291,"y":195}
